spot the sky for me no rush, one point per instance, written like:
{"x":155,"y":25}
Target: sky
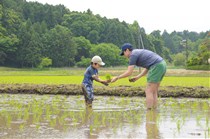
{"x":169,"y":15}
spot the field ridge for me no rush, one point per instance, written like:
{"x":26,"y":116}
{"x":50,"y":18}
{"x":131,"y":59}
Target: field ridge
{"x":73,"y":89}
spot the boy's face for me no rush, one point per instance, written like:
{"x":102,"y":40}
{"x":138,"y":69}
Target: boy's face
{"x":96,"y":65}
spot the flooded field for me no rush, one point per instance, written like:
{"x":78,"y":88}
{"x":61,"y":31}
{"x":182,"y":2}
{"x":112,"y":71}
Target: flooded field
{"x":60,"y":116}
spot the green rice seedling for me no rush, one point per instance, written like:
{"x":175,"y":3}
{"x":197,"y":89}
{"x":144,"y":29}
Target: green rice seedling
{"x":48,"y":112}
{"x":108,"y":76}
{"x":26,"y":114}
{"x":8,"y":119}
{"x":61,"y":119}
{"x":103,"y":121}
{"x":198,"y":119}
{"x":19,"y":115}
{"x":194,"y":106}
{"x":173,"y":115}
{"x":205,"y":106}
{"x":178,"y":124}
{"x":91,"y":129}
{"x":21,"y":127}
{"x":207,"y":121}
{"x":96,"y":121}
{"x":53,"y":122}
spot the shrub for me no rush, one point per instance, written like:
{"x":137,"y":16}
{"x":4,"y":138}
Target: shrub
{"x":179,"y":60}
{"x":199,"y":67}
{"x":45,"y":62}
{"x":84,"y":62}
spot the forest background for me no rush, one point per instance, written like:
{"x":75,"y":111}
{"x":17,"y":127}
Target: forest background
{"x":34,"y":35}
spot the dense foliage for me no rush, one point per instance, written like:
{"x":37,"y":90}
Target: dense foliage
{"x":30,"y":32}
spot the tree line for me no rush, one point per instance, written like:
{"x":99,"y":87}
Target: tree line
{"x":31,"y":33}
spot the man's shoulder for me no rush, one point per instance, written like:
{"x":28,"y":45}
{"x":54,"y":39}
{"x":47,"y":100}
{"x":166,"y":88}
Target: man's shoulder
{"x":136,"y":51}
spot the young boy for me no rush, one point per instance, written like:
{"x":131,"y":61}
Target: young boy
{"x":91,"y":74}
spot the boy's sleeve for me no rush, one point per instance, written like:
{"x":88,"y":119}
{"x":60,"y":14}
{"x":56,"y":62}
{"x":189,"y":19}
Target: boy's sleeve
{"x":91,"y":72}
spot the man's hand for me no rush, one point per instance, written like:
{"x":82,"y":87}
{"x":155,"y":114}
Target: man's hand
{"x":133,"y":79}
{"x":114,"y":79}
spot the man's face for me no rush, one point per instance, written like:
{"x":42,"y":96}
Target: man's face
{"x":126,"y":53}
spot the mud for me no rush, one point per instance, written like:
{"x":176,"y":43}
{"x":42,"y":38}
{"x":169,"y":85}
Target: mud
{"x":72,"y":89}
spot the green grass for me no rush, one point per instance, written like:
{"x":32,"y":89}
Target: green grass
{"x":167,"y":81}
{"x":35,"y":72}
{"x":174,"y":77}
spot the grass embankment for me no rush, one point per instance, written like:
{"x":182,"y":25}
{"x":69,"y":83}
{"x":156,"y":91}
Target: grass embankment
{"x":72,"y":89}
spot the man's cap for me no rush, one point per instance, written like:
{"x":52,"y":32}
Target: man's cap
{"x":124,"y":47}
{"x":98,"y":60}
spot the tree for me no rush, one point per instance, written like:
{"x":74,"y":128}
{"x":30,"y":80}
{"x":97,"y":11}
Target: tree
{"x":158,"y":42}
{"x":93,"y":36}
{"x":109,"y":53}
{"x":176,"y":39}
{"x":179,"y":59}
{"x":84,"y":62}
{"x":138,"y":35}
{"x":60,"y":46}
{"x":83,"y":47}
{"x":203,"y":54}
{"x":33,"y":51}
{"x":169,"y":43}
{"x":8,"y":27}
{"x":205,"y":50}
{"x":84,"y":24}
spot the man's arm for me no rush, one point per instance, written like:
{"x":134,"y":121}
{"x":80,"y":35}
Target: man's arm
{"x":125,"y":74}
{"x":144,"y":72}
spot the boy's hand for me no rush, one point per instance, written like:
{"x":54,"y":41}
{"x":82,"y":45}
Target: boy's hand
{"x":105,"y":84}
{"x":108,"y":81}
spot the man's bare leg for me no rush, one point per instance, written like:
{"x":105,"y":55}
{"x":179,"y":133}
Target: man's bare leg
{"x":155,"y":96}
{"x":151,"y":95}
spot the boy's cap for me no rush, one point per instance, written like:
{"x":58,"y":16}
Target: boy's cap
{"x":98,"y":60}
{"x":124,"y":47}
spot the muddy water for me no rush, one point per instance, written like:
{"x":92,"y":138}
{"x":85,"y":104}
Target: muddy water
{"x":59,"y":116}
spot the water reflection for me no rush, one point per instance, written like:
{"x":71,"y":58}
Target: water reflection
{"x":152,"y":124}
{"x":88,"y":123}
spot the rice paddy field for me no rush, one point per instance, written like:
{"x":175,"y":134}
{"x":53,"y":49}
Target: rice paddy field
{"x":174,"y":77}
{"x":66,"y":116}
{"x":168,"y":81}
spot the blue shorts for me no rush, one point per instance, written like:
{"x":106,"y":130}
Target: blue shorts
{"x":88,"y":93}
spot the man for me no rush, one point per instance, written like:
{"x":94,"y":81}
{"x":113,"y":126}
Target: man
{"x":154,"y":65}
